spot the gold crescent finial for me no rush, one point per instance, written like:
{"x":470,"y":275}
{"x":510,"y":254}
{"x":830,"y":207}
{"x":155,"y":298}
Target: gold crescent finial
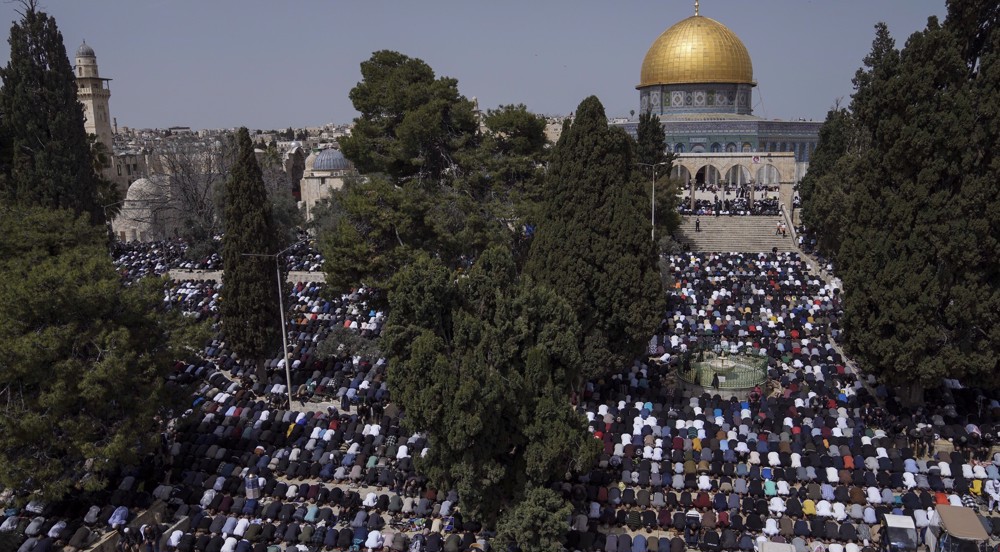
{"x":696,"y":6}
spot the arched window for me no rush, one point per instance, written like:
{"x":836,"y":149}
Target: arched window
{"x":716,"y":147}
{"x":730,"y":148}
{"x":679,"y":148}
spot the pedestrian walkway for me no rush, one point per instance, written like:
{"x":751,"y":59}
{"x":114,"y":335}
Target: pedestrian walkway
{"x":201,"y":275}
{"x":733,"y":234}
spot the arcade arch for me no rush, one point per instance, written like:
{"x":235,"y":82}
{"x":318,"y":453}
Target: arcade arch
{"x":708,"y":175}
{"x":768,"y":175}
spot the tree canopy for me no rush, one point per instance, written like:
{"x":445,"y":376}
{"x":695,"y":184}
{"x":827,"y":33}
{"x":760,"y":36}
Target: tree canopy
{"x":250,"y":297}
{"x":536,"y":524}
{"x":411,"y":123}
{"x":905,"y":198}
{"x":593,"y":244}
{"x":48,"y":159}
{"x":485,"y":364}
{"x":435,"y":179}
{"x":81,"y":357}
{"x":653,"y":160}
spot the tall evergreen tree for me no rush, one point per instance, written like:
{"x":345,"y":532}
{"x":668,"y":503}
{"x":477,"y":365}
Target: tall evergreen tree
{"x":411,"y":123}
{"x":536,"y":524}
{"x":438,"y":181}
{"x":651,"y":141}
{"x":250,"y":297}
{"x":50,"y":162}
{"x":824,"y":189}
{"x":918,"y":251}
{"x":592,"y":244}
{"x":82,"y":358}
{"x":651,"y":151}
{"x":485,"y":365}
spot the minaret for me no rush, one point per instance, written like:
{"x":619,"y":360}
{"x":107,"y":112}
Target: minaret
{"x":93,"y":93}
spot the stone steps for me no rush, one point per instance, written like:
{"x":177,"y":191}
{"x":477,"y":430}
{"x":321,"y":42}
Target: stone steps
{"x":733,"y":234}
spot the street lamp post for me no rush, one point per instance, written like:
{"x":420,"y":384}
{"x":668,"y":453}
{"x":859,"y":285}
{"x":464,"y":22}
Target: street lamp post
{"x":281,"y":313}
{"x":652,"y":200}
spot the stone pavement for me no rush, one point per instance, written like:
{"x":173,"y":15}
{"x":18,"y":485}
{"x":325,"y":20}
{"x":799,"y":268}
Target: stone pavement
{"x":294,"y":276}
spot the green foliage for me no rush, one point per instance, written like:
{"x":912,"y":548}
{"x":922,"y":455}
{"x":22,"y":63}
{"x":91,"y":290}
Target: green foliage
{"x":651,"y":143}
{"x":593,"y":244}
{"x":81,"y":356}
{"x":50,"y":162}
{"x":371,"y":230}
{"x":436,"y":184}
{"x":539,"y":523}
{"x":249,"y":297}
{"x":824,"y":190}
{"x":653,"y":160}
{"x":485,"y":364}
{"x":411,"y":123}
{"x":908,"y":197}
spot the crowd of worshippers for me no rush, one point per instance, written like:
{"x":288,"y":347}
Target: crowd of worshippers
{"x":136,"y":260}
{"x":813,"y":458}
{"x":739,"y":206}
{"x":303,"y":257}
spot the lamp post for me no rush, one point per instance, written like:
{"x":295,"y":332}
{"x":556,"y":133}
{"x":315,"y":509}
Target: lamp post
{"x":281,"y":312}
{"x":652,"y":200}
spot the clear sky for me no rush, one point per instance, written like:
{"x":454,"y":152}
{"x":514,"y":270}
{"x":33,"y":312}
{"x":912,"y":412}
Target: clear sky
{"x":273,"y":64}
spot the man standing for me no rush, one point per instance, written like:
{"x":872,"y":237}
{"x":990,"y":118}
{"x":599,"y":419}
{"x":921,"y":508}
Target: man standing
{"x":993,"y":491}
{"x":697,"y":224}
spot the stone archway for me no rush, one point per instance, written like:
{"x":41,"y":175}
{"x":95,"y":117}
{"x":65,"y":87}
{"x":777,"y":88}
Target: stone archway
{"x":768,"y":175}
{"x":782,"y":165}
{"x":737,"y":175}
{"x":708,"y":175}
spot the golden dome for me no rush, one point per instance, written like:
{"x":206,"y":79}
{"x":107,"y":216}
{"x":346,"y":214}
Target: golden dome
{"x":697,"y":50}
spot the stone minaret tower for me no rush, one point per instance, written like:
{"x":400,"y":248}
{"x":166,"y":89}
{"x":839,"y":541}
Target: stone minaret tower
{"x":93,"y":92}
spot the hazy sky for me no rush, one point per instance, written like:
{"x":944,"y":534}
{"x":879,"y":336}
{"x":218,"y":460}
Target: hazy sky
{"x":271,"y":63}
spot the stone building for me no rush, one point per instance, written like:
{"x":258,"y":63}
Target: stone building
{"x":324,"y":171}
{"x":698,"y":78}
{"x":149,"y":212}
{"x":94,"y":92}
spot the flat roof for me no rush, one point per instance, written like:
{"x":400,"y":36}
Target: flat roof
{"x":903,"y":522}
{"x":961,"y":523}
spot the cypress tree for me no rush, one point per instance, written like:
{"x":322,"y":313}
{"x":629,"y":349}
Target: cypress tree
{"x":50,"y":161}
{"x":485,"y":364}
{"x":651,"y":143}
{"x":592,"y":244}
{"x":824,"y":190}
{"x":918,"y":251}
{"x":250,"y":299}
{"x":82,"y":358}
{"x":651,"y":150}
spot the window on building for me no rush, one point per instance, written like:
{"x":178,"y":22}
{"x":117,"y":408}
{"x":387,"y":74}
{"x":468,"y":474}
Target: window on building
{"x":119,"y":170}
{"x":128,"y":168}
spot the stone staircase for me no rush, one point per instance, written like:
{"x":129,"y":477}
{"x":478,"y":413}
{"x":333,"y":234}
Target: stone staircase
{"x":726,"y":234}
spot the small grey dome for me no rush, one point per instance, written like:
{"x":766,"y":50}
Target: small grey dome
{"x":331,"y":160}
{"x":85,"y":51}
